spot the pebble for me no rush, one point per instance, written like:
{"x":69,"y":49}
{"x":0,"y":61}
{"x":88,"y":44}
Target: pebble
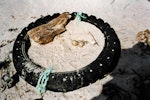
{"x":79,"y":43}
{"x":74,"y":42}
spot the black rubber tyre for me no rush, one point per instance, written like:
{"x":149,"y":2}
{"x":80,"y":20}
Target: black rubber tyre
{"x":67,"y":81}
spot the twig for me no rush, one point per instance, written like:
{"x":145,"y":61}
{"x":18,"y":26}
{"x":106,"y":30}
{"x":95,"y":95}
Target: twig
{"x":94,"y":38}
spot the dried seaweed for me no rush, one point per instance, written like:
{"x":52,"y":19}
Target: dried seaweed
{"x":12,"y":29}
{"x":4,"y":43}
{"x":5,"y":63}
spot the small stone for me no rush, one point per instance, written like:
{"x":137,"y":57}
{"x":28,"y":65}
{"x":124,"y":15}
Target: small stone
{"x":74,"y":42}
{"x":81,"y":43}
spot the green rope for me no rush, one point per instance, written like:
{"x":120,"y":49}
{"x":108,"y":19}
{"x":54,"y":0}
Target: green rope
{"x":42,"y":81}
{"x":79,"y":16}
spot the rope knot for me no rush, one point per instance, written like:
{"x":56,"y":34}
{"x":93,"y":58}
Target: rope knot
{"x":42,"y":81}
{"x":79,"y":16}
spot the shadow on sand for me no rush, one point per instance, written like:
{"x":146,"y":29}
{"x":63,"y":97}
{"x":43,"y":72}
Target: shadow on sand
{"x":131,"y":76}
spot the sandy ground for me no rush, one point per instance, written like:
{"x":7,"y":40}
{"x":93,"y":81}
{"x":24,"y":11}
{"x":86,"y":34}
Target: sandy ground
{"x":125,"y":16}
{"x":62,"y":54}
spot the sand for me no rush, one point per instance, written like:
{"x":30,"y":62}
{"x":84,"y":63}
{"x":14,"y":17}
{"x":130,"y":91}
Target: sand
{"x":62,"y":55}
{"x":126,"y":17}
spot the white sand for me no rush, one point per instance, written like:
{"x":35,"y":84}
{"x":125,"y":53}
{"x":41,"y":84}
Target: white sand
{"x":62,"y":54}
{"x":126,"y":17}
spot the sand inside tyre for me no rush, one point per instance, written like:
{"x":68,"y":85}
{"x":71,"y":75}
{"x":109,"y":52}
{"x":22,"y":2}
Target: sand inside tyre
{"x":63,"y":54}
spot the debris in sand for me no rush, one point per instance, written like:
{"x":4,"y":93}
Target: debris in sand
{"x":5,"y":63}
{"x":74,"y":42}
{"x":95,"y":42}
{"x":144,"y":37}
{"x":12,"y":29}
{"x":4,"y":43}
{"x":13,"y":16}
{"x":79,"y":43}
{"x":33,"y":17}
{"x":45,"y":33}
